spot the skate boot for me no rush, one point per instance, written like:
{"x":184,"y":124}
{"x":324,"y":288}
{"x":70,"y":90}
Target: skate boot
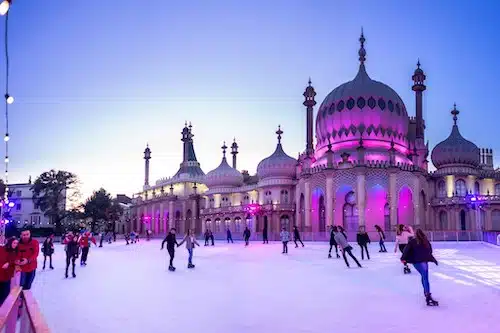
{"x":43,"y":267}
{"x":430,"y":301}
{"x":329,"y":255}
{"x":51,"y":267}
{"x":338,"y":256}
{"x":190,"y":266}
{"x":66,"y":275}
{"x":74,"y":275}
{"x":406,"y":270}
{"x":171,"y":268}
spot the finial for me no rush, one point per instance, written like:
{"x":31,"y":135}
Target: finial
{"x":362,"y":51}
{"x":455,"y":113}
{"x":309,"y":82}
{"x":361,"y":142}
{"x":185,"y":123}
{"x":418,"y":63}
{"x":329,"y":142}
{"x":279,"y":132}
{"x":190,"y":126}
{"x":224,"y":147}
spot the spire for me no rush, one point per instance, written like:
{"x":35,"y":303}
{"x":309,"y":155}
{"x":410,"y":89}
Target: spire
{"x":224,"y":147}
{"x":279,"y":132}
{"x":234,"y":151}
{"x":362,"y":51}
{"x":455,"y":113}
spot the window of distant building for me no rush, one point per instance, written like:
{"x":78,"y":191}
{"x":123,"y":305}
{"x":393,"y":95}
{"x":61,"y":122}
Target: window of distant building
{"x":460,"y":188}
{"x":497,"y":189}
{"x":19,"y":193}
{"x":18,"y":206}
{"x":284,"y":196}
{"x":441,"y":190}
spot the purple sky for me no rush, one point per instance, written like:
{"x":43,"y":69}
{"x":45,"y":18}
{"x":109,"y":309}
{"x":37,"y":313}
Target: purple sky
{"x":95,"y":81}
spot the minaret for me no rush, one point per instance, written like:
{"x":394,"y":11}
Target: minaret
{"x":234,"y":152}
{"x":186,"y":137}
{"x":147,"y":157}
{"x":309,"y":103}
{"x":419,"y":87}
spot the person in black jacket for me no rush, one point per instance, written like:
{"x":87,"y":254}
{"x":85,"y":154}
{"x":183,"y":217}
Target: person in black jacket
{"x":382,"y":238}
{"x":333,"y":243}
{"x":229,"y":236}
{"x":211,"y":235}
{"x":418,"y":252}
{"x":363,"y":240}
{"x":264,"y":235}
{"x":72,"y":249}
{"x":246,"y":236}
{"x":296,"y":236}
{"x":48,"y":250}
{"x":171,"y":243}
{"x":207,"y":237}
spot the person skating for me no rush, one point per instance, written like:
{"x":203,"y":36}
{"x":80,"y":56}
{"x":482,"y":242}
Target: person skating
{"x":72,"y":249}
{"x":418,"y":252}
{"x":264,"y":236}
{"x":171,"y":243}
{"x":344,"y":245}
{"x":28,"y":250}
{"x":84,"y":242}
{"x":246,"y":236}
{"x":363,"y":240}
{"x":381,"y":241}
{"x":133,"y":236}
{"x":211,"y":236}
{"x":403,"y":234}
{"x":285,"y":238}
{"x":190,"y":241}
{"x":148,"y":235}
{"x":8,"y":255}
{"x":333,"y":243}
{"x":207,"y":237}
{"x":48,"y":250}
{"x":229,"y":236}
{"x":296,"y":236}
{"x":127,"y":238}
{"x":342,"y":231}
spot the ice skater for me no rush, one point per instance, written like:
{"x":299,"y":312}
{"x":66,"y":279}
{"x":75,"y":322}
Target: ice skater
{"x":28,"y":250}
{"x":363,"y":240}
{"x":403,"y":233}
{"x":333,"y":243}
{"x":381,"y":238}
{"x":342,"y":231}
{"x":285,"y":238}
{"x":246,"y":236}
{"x":148,"y":235}
{"x":264,"y":236}
{"x":190,"y":241}
{"x":418,"y":252}
{"x":48,"y":250}
{"x":229,"y":236}
{"x":342,"y":242}
{"x":171,"y":242}
{"x":296,"y":236}
{"x":207,"y":237}
{"x":211,"y":236}
{"x":8,"y":255}
{"x":133,"y":235}
{"x":84,"y":243}
{"x":72,"y":249}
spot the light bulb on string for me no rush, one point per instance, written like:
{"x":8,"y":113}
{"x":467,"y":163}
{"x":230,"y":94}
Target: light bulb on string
{"x":6,"y":137}
{"x":9,"y":99}
{"x":4,"y":7}
{"x":6,"y":159}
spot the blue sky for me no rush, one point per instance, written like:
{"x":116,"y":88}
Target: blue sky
{"x":95,"y":81}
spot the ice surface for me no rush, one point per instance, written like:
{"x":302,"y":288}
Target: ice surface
{"x":257,"y":289}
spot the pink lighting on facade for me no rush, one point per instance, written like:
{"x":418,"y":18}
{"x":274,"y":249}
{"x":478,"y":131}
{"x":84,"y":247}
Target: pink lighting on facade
{"x":405,"y":206}
{"x":253,"y":209}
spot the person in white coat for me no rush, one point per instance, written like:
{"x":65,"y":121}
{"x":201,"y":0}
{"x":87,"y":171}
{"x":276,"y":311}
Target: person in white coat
{"x":285,"y":238}
{"x":403,"y":235}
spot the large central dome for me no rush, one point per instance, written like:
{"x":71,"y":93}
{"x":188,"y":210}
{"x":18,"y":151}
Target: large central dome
{"x":362,"y":109}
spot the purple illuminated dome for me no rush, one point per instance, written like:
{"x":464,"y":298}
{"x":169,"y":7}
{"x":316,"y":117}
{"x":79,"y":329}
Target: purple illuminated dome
{"x":224,"y":175}
{"x":455,"y":150}
{"x":362,"y":109}
{"x":279,"y":164}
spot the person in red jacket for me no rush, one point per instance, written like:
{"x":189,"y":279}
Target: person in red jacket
{"x":85,"y":245}
{"x":8,"y":255}
{"x":27,"y":258}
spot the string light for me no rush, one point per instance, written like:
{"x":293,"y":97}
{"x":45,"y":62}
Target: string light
{"x":4,"y":7}
{"x":4,"y":10}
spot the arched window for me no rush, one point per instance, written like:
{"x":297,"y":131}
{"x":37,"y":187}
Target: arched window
{"x":443,"y":220}
{"x":178,"y":221}
{"x":268,"y":198}
{"x":225,"y":202}
{"x":321,"y":214}
{"x":237,"y":224}
{"x":208,"y":224}
{"x":285,"y":222}
{"x":246,"y":199}
{"x":387,"y":218}
{"x":211,"y":202}
{"x":187,"y":222}
{"x":217,"y":225}
{"x":460,"y":188}
{"x":441,"y":189}
{"x":463,"y":224}
{"x":477,"y":188}
{"x":284,"y":196}
{"x":497,"y":189}
{"x":249,"y":222}
{"x":227,"y":223}
{"x":495,"y":220}
{"x":350,"y":214}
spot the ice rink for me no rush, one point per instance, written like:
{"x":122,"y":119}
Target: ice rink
{"x":234,"y":289}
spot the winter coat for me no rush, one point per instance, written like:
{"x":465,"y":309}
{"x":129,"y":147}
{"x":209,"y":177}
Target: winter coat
{"x":332,"y":238}
{"x":362,"y":239}
{"x":207,"y":235}
{"x":341,"y":240}
{"x":404,"y":237}
{"x":48,"y":248}
{"x":381,"y":235}
{"x":285,"y":236}
{"x":28,"y":250}
{"x":415,"y":253}
{"x":190,"y":242}
{"x":296,"y":234}
{"x":229,"y":233}
{"x":170,"y":240}
{"x":71,"y":247}
{"x":246,"y":234}
{"x":85,"y":241}
{"x":7,"y":256}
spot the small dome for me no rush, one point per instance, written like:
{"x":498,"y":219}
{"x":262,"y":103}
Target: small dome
{"x":224,"y":175}
{"x":278,"y":165}
{"x":455,"y":149}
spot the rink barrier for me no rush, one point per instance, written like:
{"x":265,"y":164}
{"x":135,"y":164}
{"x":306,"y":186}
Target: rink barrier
{"x":30,"y":317}
{"x":492,"y":237}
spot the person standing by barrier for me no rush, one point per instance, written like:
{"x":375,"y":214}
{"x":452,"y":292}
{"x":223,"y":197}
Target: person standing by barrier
{"x":363,"y":240}
{"x":8,"y":255}
{"x":285,"y":238}
{"x":296,"y":236}
{"x":28,"y":250}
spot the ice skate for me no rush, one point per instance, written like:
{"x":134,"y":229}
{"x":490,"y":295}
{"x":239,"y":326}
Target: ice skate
{"x":74,"y":275}
{"x":171,"y":268}
{"x":338,"y":256}
{"x":190,"y":266}
{"x":430,"y":301}
{"x":406,"y":270}
{"x":43,"y":267}
{"x":51,"y":267}
{"x":329,"y":255}
{"x":66,"y":275}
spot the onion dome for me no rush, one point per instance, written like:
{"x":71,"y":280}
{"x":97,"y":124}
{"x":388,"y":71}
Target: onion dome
{"x":455,"y":150}
{"x":224,"y":175}
{"x":279,"y":164}
{"x":364,"y":108}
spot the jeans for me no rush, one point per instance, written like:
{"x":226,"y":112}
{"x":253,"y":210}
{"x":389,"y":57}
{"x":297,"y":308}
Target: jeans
{"x":246,"y":241}
{"x":348,"y":250}
{"x":423,"y":269}
{"x":264,"y":238}
{"x":4,"y":291}
{"x":171,"y":253}
{"x":382,"y":246}
{"x":363,"y":249}
{"x":27,"y":279}
{"x":190,"y":259}
{"x":70,"y":259}
{"x":336,"y":249}
{"x":230,"y":239}
{"x":285,"y":247}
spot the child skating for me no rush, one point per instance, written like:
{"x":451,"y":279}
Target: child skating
{"x":190,"y":241}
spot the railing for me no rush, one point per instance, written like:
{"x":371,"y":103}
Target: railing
{"x":241,"y":208}
{"x":20,"y":304}
{"x":492,"y":237}
{"x":479,"y":199}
